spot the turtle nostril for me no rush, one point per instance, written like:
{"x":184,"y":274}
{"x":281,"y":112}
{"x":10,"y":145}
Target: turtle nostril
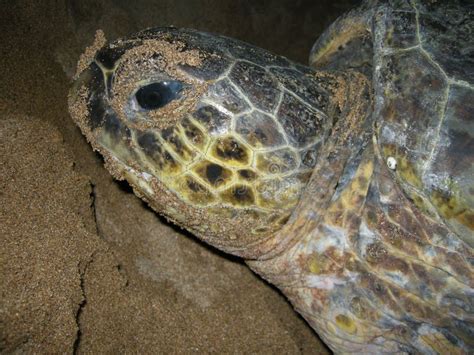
{"x":157,"y":95}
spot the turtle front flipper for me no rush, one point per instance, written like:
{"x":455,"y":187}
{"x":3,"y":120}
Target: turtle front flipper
{"x":346,"y":44}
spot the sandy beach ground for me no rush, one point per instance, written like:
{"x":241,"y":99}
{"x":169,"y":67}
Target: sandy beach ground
{"x":85,"y":266}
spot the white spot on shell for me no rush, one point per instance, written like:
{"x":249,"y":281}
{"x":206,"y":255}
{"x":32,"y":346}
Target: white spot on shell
{"x":392,"y":163}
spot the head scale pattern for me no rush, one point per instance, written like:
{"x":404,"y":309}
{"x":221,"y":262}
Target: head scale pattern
{"x":218,"y":135}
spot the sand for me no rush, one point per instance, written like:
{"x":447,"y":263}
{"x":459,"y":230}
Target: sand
{"x":85,"y":266}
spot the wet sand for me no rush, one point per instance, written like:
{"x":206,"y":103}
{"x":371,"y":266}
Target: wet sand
{"x":85,"y":266}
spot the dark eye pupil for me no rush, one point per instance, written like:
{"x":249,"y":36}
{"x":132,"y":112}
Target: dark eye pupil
{"x":152,"y":97}
{"x":156,"y":95}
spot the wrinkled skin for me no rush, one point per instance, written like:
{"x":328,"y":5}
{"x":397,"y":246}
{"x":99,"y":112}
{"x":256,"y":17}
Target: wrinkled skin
{"x":349,"y":187}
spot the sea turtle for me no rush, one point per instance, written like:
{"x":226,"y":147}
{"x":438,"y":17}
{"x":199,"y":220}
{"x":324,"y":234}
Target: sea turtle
{"x":348,"y":185}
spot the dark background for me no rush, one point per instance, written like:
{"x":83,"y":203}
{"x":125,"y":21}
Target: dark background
{"x":84,"y":264}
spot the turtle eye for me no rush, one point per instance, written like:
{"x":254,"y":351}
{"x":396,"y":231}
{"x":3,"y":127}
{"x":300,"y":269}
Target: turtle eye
{"x":157,"y":95}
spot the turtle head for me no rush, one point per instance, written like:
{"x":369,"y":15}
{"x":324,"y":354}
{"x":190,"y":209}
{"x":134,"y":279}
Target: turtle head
{"x":203,"y":131}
